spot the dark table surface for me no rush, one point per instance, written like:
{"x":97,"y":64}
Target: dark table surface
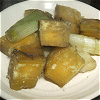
{"x":6,"y":3}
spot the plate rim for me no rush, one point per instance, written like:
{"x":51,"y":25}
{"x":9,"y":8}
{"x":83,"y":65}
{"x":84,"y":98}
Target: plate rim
{"x":51,"y":0}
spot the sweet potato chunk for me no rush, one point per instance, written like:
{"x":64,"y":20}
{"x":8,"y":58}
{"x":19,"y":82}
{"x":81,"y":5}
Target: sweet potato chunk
{"x":90,"y":27}
{"x":62,"y":65}
{"x":24,"y":70}
{"x":74,"y":28}
{"x":54,"y":33}
{"x":27,"y":12}
{"x":69,"y":14}
{"x":30,"y":45}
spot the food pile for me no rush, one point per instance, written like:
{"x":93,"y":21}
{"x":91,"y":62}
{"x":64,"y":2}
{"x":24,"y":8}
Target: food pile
{"x":58,"y":47}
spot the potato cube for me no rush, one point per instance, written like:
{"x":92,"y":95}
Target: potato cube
{"x":74,"y":28}
{"x":24,"y":70}
{"x":30,"y":45}
{"x":62,"y":65}
{"x":90,"y":27}
{"x":54,"y":33}
{"x":27,"y":12}
{"x":67,"y":14}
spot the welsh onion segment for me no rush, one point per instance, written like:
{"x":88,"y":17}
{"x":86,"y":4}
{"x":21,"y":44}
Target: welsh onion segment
{"x":25,"y":26}
{"x":90,"y":63}
{"x":85,"y":43}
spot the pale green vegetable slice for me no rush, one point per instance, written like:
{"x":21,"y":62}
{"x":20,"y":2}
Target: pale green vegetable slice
{"x":25,"y":26}
{"x":90,"y":63}
{"x":89,"y":44}
{"x":77,"y":40}
{"x":97,"y":47}
{"x":85,"y":43}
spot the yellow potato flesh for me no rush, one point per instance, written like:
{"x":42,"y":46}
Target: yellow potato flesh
{"x":54,"y":33}
{"x":62,"y":65}
{"x":24,"y":70}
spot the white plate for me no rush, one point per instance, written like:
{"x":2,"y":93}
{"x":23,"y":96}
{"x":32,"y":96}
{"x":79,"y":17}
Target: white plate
{"x":82,"y":86}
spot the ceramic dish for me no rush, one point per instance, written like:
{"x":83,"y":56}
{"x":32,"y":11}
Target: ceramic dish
{"x":82,"y":86}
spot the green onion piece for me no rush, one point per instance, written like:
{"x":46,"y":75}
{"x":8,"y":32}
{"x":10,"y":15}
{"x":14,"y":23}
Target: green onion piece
{"x":25,"y":26}
{"x":12,"y":36}
{"x":85,"y":43}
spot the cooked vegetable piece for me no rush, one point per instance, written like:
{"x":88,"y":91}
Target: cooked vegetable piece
{"x":90,"y":63}
{"x":25,"y":26}
{"x":69,"y":14}
{"x":24,"y":70}
{"x":27,"y":12}
{"x":74,"y":29}
{"x":90,"y":27}
{"x":62,"y":65}
{"x":97,"y":47}
{"x":54,"y":33}
{"x":30,"y":45}
{"x":85,"y":43}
